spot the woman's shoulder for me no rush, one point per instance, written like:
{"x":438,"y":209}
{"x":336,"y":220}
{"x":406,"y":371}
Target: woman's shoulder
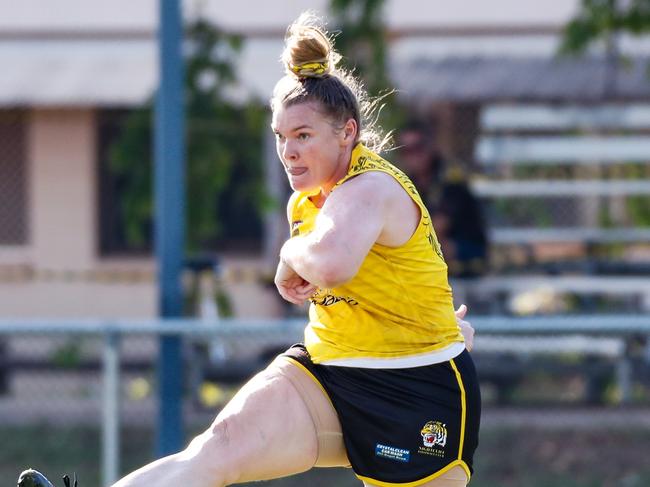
{"x":374,"y":187}
{"x":373,"y":181}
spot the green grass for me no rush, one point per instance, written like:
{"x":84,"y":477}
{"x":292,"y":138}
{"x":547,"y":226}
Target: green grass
{"x":507,"y":457}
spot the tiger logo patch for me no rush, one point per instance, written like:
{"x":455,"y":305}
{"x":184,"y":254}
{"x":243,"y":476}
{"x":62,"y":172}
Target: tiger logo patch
{"x":434,"y":433}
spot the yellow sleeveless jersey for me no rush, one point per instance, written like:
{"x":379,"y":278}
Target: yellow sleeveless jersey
{"x":398,"y":305}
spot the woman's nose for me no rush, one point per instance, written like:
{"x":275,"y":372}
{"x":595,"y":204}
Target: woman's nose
{"x":289,"y":152}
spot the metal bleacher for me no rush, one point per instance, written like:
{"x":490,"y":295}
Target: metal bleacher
{"x":585,"y":137}
{"x":571,"y":164}
{"x":556,"y":182}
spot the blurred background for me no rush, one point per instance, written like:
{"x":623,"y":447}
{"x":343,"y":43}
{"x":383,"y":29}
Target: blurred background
{"x":525,"y":127}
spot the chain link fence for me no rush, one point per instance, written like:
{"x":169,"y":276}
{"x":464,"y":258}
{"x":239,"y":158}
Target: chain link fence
{"x":571,"y":183}
{"x":79,"y":393}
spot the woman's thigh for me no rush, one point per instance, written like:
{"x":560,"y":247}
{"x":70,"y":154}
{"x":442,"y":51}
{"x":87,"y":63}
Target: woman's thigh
{"x":331,"y":449}
{"x":267,"y":430}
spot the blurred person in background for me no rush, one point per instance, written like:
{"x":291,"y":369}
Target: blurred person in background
{"x":384,"y":382}
{"x":455,"y":212}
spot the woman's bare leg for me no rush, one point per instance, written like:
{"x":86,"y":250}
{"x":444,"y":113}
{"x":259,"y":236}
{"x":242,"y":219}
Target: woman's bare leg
{"x":264,"y":432}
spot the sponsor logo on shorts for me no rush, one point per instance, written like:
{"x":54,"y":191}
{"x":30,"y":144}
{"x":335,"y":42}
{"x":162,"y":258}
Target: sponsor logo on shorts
{"x":434,"y":434}
{"x":392,"y":452}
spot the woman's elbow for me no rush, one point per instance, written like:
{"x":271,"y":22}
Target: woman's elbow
{"x":334,"y":274}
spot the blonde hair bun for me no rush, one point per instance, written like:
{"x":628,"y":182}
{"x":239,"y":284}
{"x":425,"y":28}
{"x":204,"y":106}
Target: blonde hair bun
{"x":312,"y":76}
{"x":309,"y":51}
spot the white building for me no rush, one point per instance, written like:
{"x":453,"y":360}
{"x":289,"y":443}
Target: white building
{"x":64,"y":63}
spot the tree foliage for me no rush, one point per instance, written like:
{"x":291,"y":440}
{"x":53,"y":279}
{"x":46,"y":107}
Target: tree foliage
{"x":597,"y":20}
{"x":225,"y":187}
{"x":224,"y":148}
{"x":362,"y":38}
{"x":601,"y":20}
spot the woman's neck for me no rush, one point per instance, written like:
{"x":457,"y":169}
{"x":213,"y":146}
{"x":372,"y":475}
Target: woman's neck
{"x":341,"y":171}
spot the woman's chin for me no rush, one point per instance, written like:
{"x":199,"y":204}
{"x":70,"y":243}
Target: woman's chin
{"x":302,"y":186}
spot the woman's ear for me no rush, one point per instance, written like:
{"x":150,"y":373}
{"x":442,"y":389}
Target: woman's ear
{"x":350,"y":131}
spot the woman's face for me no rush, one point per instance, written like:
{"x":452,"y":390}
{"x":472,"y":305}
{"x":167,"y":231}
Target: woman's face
{"x":314,"y":154}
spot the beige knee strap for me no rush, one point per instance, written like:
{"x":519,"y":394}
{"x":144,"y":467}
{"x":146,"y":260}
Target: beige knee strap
{"x":331,"y":450}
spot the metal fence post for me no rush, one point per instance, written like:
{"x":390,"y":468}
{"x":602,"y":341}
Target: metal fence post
{"x":111,"y":401}
{"x":169,"y":182}
{"x":624,"y":373}
{"x":623,"y":377}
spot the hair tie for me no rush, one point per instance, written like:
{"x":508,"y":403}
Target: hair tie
{"x":310,"y":69}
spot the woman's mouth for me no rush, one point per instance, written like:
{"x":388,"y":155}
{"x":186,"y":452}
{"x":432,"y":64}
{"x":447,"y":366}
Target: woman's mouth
{"x":296,"y":171}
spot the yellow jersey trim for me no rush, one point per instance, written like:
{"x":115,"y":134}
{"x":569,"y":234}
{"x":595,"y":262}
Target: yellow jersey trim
{"x":463,"y":408}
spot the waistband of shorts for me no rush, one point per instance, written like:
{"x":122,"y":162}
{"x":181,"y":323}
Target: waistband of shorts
{"x":437,"y":356}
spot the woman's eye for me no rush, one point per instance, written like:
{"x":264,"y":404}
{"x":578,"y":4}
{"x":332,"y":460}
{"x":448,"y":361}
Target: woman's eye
{"x":303,"y":136}
{"x":278,"y":136}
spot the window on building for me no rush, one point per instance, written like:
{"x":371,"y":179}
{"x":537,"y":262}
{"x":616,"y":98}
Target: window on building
{"x":13,"y":178}
{"x":241,"y":222}
{"x":113,"y":238}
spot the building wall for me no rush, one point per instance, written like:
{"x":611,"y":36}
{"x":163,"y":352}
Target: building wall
{"x":62,"y":193}
{"x":58,"y":273}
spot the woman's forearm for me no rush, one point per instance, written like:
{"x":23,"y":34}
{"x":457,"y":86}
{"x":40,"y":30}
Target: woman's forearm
{"x":314,"y":263}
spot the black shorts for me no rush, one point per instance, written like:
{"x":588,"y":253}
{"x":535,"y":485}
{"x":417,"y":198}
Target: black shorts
{"x":403,"y":426}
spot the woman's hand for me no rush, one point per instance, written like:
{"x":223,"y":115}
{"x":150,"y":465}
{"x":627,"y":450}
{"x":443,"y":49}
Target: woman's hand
{"x":465,"y":327}
{"x":291,"y":286}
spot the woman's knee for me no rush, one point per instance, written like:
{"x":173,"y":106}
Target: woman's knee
{"x":212,"y":454}
{"x":266,"y":431}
